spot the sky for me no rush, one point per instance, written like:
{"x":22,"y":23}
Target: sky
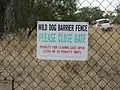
{"x":105,"y":5}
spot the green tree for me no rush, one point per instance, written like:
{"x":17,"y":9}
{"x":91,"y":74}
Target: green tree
{"x":117,"y":19}
{"x":89,"y":14}
{"x":2,"y":12}
{"x":28,"y":12}
{"x":18,"y":15}
{"x":6,"y":15}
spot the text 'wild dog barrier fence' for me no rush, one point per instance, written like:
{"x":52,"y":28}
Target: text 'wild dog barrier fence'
{"x":21,"y":70}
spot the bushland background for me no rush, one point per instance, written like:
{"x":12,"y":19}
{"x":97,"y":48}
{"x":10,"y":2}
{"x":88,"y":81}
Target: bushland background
{"x":21,"y":70}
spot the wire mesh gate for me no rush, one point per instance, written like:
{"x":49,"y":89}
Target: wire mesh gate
{"x":20,"y":68}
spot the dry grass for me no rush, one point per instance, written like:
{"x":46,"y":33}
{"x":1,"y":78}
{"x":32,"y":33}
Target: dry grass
{"x":101,"y":71}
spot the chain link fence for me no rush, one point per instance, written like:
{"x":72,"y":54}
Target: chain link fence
{"x":21,"y":70}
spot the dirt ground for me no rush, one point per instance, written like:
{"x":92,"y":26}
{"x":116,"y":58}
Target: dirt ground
{"x":100,"y":72}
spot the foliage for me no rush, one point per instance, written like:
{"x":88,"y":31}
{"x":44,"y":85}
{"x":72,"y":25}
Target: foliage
{"x":90,"y":14}
{"x":117,"y":20}
{"x":2,"y":11}
{"x":23,"y":14}
{"x":27,"y":12}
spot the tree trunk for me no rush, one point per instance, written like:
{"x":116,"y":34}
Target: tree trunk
{"x":9,"y":16}
{"x":2,"y":16}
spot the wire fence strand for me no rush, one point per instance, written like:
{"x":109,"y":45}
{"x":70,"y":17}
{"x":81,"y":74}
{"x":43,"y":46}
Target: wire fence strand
{"x":20,"y":68}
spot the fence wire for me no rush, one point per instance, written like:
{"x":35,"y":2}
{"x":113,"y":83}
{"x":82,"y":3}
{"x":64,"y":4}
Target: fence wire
{"x":21,"y":70}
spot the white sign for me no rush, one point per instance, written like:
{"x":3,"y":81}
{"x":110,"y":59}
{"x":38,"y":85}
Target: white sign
{"x":62,"y":40}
